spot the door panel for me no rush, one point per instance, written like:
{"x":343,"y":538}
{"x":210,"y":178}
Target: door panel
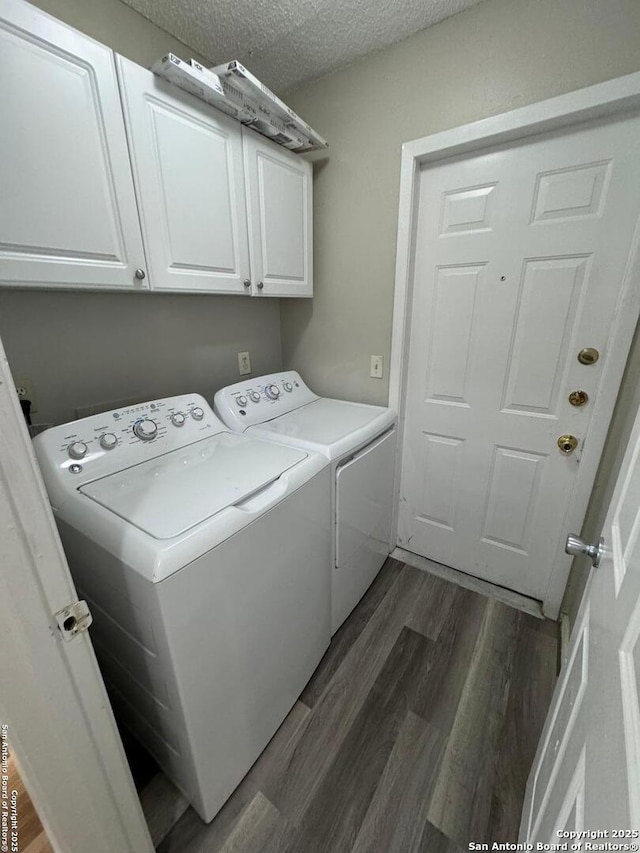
{"x":279,"y":192}
{"x":68,"y":213}
{"x":189,"y":177}
{"x":586,"y":774}
{"x":534,"y":373}
{"x":520,"y":261}
{"x":449,"y":363}
{"x":509,"y":521}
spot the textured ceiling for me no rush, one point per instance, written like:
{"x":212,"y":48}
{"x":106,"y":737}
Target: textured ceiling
{"x":288,"y":42}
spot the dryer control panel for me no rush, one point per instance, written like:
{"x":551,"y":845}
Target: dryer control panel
{"x":255,"y":401}
{"x":75,"y":453}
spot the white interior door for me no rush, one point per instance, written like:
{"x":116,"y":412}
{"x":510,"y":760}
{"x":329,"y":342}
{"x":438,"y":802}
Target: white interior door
{"x":54,"y":702}
{"x":279,"y":202}
{"x":521,"y":261}
{"x":189,"y":174}
{"x":68,"y":214}
{"x":586,"y":774}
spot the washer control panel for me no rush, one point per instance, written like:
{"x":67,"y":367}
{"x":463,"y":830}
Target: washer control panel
{"x":103,"y":444}
{"x":255,"y":401}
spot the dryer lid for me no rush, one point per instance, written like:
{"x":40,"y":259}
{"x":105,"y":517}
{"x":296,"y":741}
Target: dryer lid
{"x":325,"y":421}
{"x":170,"y":494}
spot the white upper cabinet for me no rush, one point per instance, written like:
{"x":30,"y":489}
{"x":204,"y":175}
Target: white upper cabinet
{"x":68,"y":213}
{"x":279,"y":199}
{"x":102,"y":163}
{"x":188,"y":172}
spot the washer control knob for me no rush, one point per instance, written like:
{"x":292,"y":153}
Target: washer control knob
{"x":197,"y":414}
{"x":77,"y":450}
{"x":254,"y":396}
{"x":146,"y":429}
{"x":178,"y":419}
{"x":108,"y":440}
{"x":288,"y":387}
{"x":272,"y":392}
{"x":241,"y":401}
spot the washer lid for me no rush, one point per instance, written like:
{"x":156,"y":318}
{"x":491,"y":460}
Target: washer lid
{"x":170,"y":494}
{"x":325,"y":421}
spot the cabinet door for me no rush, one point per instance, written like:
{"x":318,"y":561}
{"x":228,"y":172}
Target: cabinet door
{"x":68,"y":213}
{"x":188,"y":171}
{"x":279,"y":198}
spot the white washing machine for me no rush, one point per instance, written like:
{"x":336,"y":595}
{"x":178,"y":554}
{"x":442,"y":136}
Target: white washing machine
{"x":203,"y":558}
{"x":360,"y":442}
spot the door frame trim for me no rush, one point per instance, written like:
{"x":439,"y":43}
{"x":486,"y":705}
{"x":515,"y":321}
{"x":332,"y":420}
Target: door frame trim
{"x":611,"y":98}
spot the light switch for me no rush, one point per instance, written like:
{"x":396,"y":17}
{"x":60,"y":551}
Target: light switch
{"x":376,"y":367}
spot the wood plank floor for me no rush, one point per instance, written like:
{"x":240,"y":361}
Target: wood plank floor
{"x":416,"y":732}
{"x":32,"y":838}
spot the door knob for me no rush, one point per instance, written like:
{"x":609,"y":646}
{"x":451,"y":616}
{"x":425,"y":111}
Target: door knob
{"x":567,"y":443}
{"x":577,"y":547}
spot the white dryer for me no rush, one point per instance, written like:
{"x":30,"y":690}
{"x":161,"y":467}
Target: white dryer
{"x":360,"y":441}
{"x":203,"y":558}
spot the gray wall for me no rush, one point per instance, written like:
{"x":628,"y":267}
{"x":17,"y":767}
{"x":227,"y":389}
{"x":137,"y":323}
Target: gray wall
{"x":494,"y":57}
{"x":80,"y":349}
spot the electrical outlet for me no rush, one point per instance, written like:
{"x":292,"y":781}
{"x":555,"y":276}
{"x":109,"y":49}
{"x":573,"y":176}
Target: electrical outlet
{"x":25,"y":391}
{"x":244,"y":363}
{"x":376,"y":367}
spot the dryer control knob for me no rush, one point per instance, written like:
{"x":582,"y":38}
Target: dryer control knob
{"x":178,"y":419}
{"x":272,"y":392}
{"x":197,"y":413}
{"x":108,"y":440}
{"x":77,"y":450}
{"x":288,"y":387}
{"x":146,"y":429}
{"x":254,"y":396}
{"x":241,"y":401}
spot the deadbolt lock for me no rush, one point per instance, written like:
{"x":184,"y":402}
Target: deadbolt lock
{"x":578,"y":398}
{"x":567,"y":443}
{"x":588,"y":355}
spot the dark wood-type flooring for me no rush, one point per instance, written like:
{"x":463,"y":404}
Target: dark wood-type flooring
{"x":32,"y":838}
{"x":416,"y":732}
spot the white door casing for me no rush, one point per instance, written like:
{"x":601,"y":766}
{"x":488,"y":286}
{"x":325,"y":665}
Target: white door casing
{"x":53,"y":698}
{"x":68,"y":215}
{"x":586,"y":774}
{"x":522,"y":259}
{"x":279,"y":204}
{"x":189,"y":176}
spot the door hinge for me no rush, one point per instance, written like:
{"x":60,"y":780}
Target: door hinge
{"x":74,"y":619}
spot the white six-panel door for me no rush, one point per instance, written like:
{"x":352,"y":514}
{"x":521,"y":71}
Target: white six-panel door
{"x":279,"y":201}
{"x":586,"y":775}
{"x":68,"y":214}
{"x":188,"y":169}
{"x":521,"y":254}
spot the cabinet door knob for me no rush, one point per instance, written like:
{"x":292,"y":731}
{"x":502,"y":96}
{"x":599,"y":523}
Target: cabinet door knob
{"x":260,"y":285}
{"x":140,"y":274}
{"x":247,"y":282}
